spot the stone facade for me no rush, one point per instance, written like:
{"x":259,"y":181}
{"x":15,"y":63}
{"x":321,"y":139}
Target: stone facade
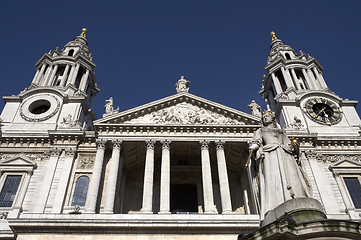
{"x":170,"y":169}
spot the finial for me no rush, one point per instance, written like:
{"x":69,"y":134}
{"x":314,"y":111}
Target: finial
{"x":273,"y":35}
{"x":182,"y":85}
{"x":83,"y":32}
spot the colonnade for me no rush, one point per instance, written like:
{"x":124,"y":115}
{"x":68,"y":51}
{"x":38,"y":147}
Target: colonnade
{"x":147,"y":199}
{"x":312,"y":76}
{"x":45,"y":75}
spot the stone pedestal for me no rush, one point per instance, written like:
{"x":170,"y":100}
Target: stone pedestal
{"x":299,"y":209}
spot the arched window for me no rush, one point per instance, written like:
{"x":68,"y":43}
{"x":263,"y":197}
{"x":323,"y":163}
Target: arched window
{"x":80,"y":191}
{"x":288,"y":57}
{"x":71,"y":52}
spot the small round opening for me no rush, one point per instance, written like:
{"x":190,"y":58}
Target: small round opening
{"x":39,"y":107}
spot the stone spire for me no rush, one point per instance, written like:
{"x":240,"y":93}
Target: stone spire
{"x":182,"y":85}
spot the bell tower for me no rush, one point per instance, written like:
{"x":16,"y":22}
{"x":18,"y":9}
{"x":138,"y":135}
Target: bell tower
{"x":296,"y":91}
{"x":60,"y":95}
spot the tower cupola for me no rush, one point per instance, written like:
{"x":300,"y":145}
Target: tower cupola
{"x":289,"y":74}
{"x":69,"y":70}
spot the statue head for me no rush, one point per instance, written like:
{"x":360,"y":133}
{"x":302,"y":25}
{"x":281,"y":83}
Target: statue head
{"x":268,"y":117}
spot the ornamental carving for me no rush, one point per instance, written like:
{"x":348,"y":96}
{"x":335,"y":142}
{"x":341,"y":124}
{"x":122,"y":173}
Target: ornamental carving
{"x":185,"y":113}
{"x":336,"y":158}
{"x":35,"y":157}
{"x":296,"y":124}
{"x":86,"y":162}
{"x":69,"y":122}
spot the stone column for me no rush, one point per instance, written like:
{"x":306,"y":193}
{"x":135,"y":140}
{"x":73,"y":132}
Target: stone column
{"x":165,"y":178}
{"x":96,"y":176}
{"x":84,"y":81}
{"x":113,"y":177}
{"x":70,"y":75}
{"x":44,"y":189}
{"x":46,"y":77}
{"x":223,"y":178}
{"x":147,"y":205}
{"x":287,"y":77}
{"x":315,"y":83}
{"x":59,"y":199}
{"x":38,"y":78}
{"x":308,"y":80}
{"x":65,"y":75}
{"x":75,"y":74}
{"x":320,"y":78}
{"x":295,"y":78}
{"x":52,"y":75}
{"x":206,"y":178}
{"x":277,"y":84}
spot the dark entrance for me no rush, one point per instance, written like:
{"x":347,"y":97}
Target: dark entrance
{"x":183,"y":198}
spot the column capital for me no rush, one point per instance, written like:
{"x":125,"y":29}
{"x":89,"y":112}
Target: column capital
{"x":220,"y":144}
{"x":204,"y":144}
{"x":70,"y":151}
{"x":117,"y":143}
{"x":55,"y":151}
{"x":166,"y":144}
{"x":101,"y":143}
{"x":150,"y":143}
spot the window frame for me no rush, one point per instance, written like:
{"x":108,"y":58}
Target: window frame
{"x":343,"y":169}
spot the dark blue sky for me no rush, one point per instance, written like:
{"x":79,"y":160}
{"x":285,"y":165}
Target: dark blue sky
{"x":142,"y":47}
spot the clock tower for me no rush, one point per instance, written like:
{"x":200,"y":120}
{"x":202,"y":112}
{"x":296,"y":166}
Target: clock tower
{"x":59,"y":97}
{"x":296,"y":91}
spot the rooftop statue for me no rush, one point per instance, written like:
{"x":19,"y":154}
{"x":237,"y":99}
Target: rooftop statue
{"x":280,"y":174}
{"x":182,"y":85}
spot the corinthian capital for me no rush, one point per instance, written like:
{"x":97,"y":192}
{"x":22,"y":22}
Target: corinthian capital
{"x":204,"y":144}
{"x":117,"y":143}
{"x":101,"y":143}
{"x":166,"y":144}
{"x":219,"y":144}
{"x":150,"y":143}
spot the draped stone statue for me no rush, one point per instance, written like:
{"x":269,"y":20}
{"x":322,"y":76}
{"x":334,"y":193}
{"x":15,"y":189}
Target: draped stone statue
{"x":281,"y":177}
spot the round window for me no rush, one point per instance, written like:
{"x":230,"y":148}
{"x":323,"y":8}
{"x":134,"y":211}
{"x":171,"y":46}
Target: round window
{"x":39,"y":107}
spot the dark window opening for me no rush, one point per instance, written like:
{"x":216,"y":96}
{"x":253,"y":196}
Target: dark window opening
{"x":8,"y":192}
{"x":80,"y":191}
{"x":288,"y":57}
{"x":39,"y":107}
{"x":71,"y":52}
{"x":183,"y":199}
{"x":301,"y":79}
{"x":354,"y":189}
{"x":281,"y":79}
{"x":79,"y":77}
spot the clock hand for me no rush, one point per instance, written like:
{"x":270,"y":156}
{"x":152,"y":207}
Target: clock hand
{"x":322,"y":110}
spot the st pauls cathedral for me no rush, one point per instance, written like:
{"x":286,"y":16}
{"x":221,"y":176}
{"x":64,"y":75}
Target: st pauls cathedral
{"x":181,"y":167}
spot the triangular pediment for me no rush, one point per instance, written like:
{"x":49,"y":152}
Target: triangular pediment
{"x":19,"y":161}
{"x":181,"y":109}
{"x":346,"y":163}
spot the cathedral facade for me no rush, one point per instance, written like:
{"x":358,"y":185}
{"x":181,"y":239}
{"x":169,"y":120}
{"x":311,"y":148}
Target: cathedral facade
{"x":181,"y":167}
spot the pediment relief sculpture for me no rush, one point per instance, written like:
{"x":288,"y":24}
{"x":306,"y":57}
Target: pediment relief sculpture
{"x":185,"y":113}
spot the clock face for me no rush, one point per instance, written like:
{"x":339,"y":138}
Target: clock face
{"x":323,"y":111}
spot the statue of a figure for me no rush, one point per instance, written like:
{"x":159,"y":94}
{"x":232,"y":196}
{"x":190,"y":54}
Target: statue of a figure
{"x":109,"y":105}
{"x":281,"y":177}
{"x":182,"y":85}
{"x":255,"y":108}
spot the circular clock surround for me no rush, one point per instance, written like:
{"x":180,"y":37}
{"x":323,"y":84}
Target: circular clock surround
{"x":323,"y":111}
{"x":39,"y":108}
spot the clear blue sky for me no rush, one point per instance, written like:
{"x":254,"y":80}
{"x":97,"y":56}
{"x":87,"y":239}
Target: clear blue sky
{"x":142,"y":47}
